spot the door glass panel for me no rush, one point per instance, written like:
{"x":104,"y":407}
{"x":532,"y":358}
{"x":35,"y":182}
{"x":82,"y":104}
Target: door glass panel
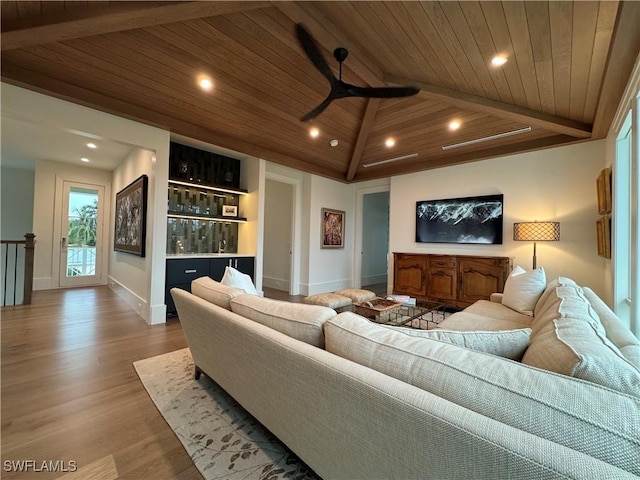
{"x":82,"y":232}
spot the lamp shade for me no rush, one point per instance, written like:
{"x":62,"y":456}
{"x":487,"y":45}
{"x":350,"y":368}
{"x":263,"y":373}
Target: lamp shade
{"x":537,"y":231}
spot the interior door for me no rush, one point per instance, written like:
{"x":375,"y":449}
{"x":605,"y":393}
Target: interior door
{"x":81,"y":234}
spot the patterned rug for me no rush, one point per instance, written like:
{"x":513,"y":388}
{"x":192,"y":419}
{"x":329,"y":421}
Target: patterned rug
{"x":223,"y":440}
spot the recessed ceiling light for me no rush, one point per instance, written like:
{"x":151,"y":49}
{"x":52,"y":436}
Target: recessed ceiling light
{"x":334,"y":143}
{"x":498,"y":60}
{"x":84,"y":159}
{"x":454,"y":125}
{"x":92,"y":145}
{"x":205,"y":83}
{"x":314,"y":132}
{"x":390,"y":142}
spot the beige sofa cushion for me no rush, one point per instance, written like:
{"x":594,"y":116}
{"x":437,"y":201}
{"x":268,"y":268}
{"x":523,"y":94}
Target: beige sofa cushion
{"x":565,"y":410}
{"x":617,"y":332}
{"x":214,"y":292}
{"x":486,"y":315}
{"x":568,"y":338}
{"x":523,"y":289}
{"x":502,"y":343}
{"x":575,"y":347}
{"x":298,"y":320}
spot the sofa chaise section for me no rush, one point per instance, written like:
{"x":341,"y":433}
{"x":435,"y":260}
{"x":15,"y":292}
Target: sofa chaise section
{"x":347,"y":420}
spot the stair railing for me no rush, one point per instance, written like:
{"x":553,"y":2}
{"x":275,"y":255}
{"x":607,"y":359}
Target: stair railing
{"x":10,"y":262}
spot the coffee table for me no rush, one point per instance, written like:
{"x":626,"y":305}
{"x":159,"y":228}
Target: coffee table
{"x":387,"y":312}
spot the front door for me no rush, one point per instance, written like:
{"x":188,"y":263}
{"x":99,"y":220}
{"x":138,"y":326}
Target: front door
{"x":81,"y":234}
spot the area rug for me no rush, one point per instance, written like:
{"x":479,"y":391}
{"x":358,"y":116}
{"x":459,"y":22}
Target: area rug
{"x":222,"y":439}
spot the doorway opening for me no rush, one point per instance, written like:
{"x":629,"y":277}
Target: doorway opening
{"x":375,"y":242}
{"x":278,"y":235}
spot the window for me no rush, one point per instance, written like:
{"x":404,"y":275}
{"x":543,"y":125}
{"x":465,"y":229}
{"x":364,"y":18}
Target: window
{"x":626,"y":220}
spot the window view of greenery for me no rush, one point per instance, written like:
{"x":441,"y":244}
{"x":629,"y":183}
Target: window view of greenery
{"x":82,"y":233}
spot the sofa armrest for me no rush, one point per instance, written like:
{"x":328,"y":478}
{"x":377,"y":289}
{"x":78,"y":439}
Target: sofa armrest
{"x":496,"y":297}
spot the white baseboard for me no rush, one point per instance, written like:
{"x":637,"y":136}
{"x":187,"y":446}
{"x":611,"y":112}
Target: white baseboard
{"x":42,"y":283}
{"x":277,"y":283}
{"x":312,"y":289}
{"x":137,"y":303}
{"x":158,"y":314}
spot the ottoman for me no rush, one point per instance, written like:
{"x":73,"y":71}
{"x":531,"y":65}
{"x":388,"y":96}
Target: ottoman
{"x":331,"y":300}
{"x":356,"y":294}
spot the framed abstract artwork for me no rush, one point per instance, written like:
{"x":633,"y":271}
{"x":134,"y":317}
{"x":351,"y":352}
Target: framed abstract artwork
{"x":131,"y":218}
{"x":332,"y":228}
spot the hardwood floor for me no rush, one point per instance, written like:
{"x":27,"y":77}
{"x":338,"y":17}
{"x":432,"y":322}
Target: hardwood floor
{"x":70,"y":392}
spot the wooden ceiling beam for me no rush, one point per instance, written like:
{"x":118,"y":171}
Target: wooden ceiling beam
{"x":328,"y":35}
{"x":622,"y":56}
{"x":114,"y":18}
{"x":363,"y":136}
{"x":509,"y":111}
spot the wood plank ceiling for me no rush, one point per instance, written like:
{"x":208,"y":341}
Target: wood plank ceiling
{"x":568,"y":64}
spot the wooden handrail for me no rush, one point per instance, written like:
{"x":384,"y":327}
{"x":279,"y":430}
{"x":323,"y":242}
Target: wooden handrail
{"x":29,"y":245}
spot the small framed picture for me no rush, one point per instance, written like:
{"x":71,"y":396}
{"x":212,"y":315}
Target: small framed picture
{"x":229,"y":211}
{"x":332,"y":228}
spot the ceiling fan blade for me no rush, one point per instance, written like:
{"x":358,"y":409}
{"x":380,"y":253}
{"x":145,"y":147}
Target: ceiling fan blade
{"x":318,"y":110}
{"x":312,"y":50}
{"x":381,"y":92}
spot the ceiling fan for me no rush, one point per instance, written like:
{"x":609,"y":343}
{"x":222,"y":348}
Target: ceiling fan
{"x":340,"y":89}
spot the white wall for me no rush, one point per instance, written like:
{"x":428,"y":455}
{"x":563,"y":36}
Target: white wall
{"x":16,"y":217}
{"x":128,"y":272}
{"x":556,"y":184}
{"x":47,"y":216}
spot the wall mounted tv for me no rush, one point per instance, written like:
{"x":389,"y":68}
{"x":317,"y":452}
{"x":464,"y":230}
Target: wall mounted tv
{"x":460,"y":220}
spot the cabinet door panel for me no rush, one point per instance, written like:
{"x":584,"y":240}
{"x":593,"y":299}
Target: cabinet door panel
{"x":246,"y":265}
{"x":217,"y":266}
{"x":442,"y":283}
{"x":480,"y":278}
{"x":410,"y":275}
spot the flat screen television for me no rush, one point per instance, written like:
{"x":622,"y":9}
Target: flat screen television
{"x":460,"y":220}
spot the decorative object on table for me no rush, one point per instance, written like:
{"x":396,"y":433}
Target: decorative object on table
{"x":460,"y":220}
{"x":536,"y":232}
{"x":377,"y":306}
{"x":332,"y":228}
{"x":603,"y":228}
{"x":603,"y":184}
{"x":131,"y":218}
{"x":229,"y":211}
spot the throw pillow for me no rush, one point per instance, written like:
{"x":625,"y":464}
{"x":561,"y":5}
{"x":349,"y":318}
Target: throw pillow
{"x":523,"y":289}
{"x":234,"y":278}
{"x":503,"y":343}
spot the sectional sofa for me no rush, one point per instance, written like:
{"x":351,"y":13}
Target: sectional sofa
{"x":494,"y":393}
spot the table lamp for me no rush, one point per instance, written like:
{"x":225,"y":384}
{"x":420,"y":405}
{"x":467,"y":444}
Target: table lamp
{"x":536,"y":232}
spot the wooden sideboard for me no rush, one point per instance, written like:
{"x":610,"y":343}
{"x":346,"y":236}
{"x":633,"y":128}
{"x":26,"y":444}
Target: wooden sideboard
{"x":457,"y":280}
